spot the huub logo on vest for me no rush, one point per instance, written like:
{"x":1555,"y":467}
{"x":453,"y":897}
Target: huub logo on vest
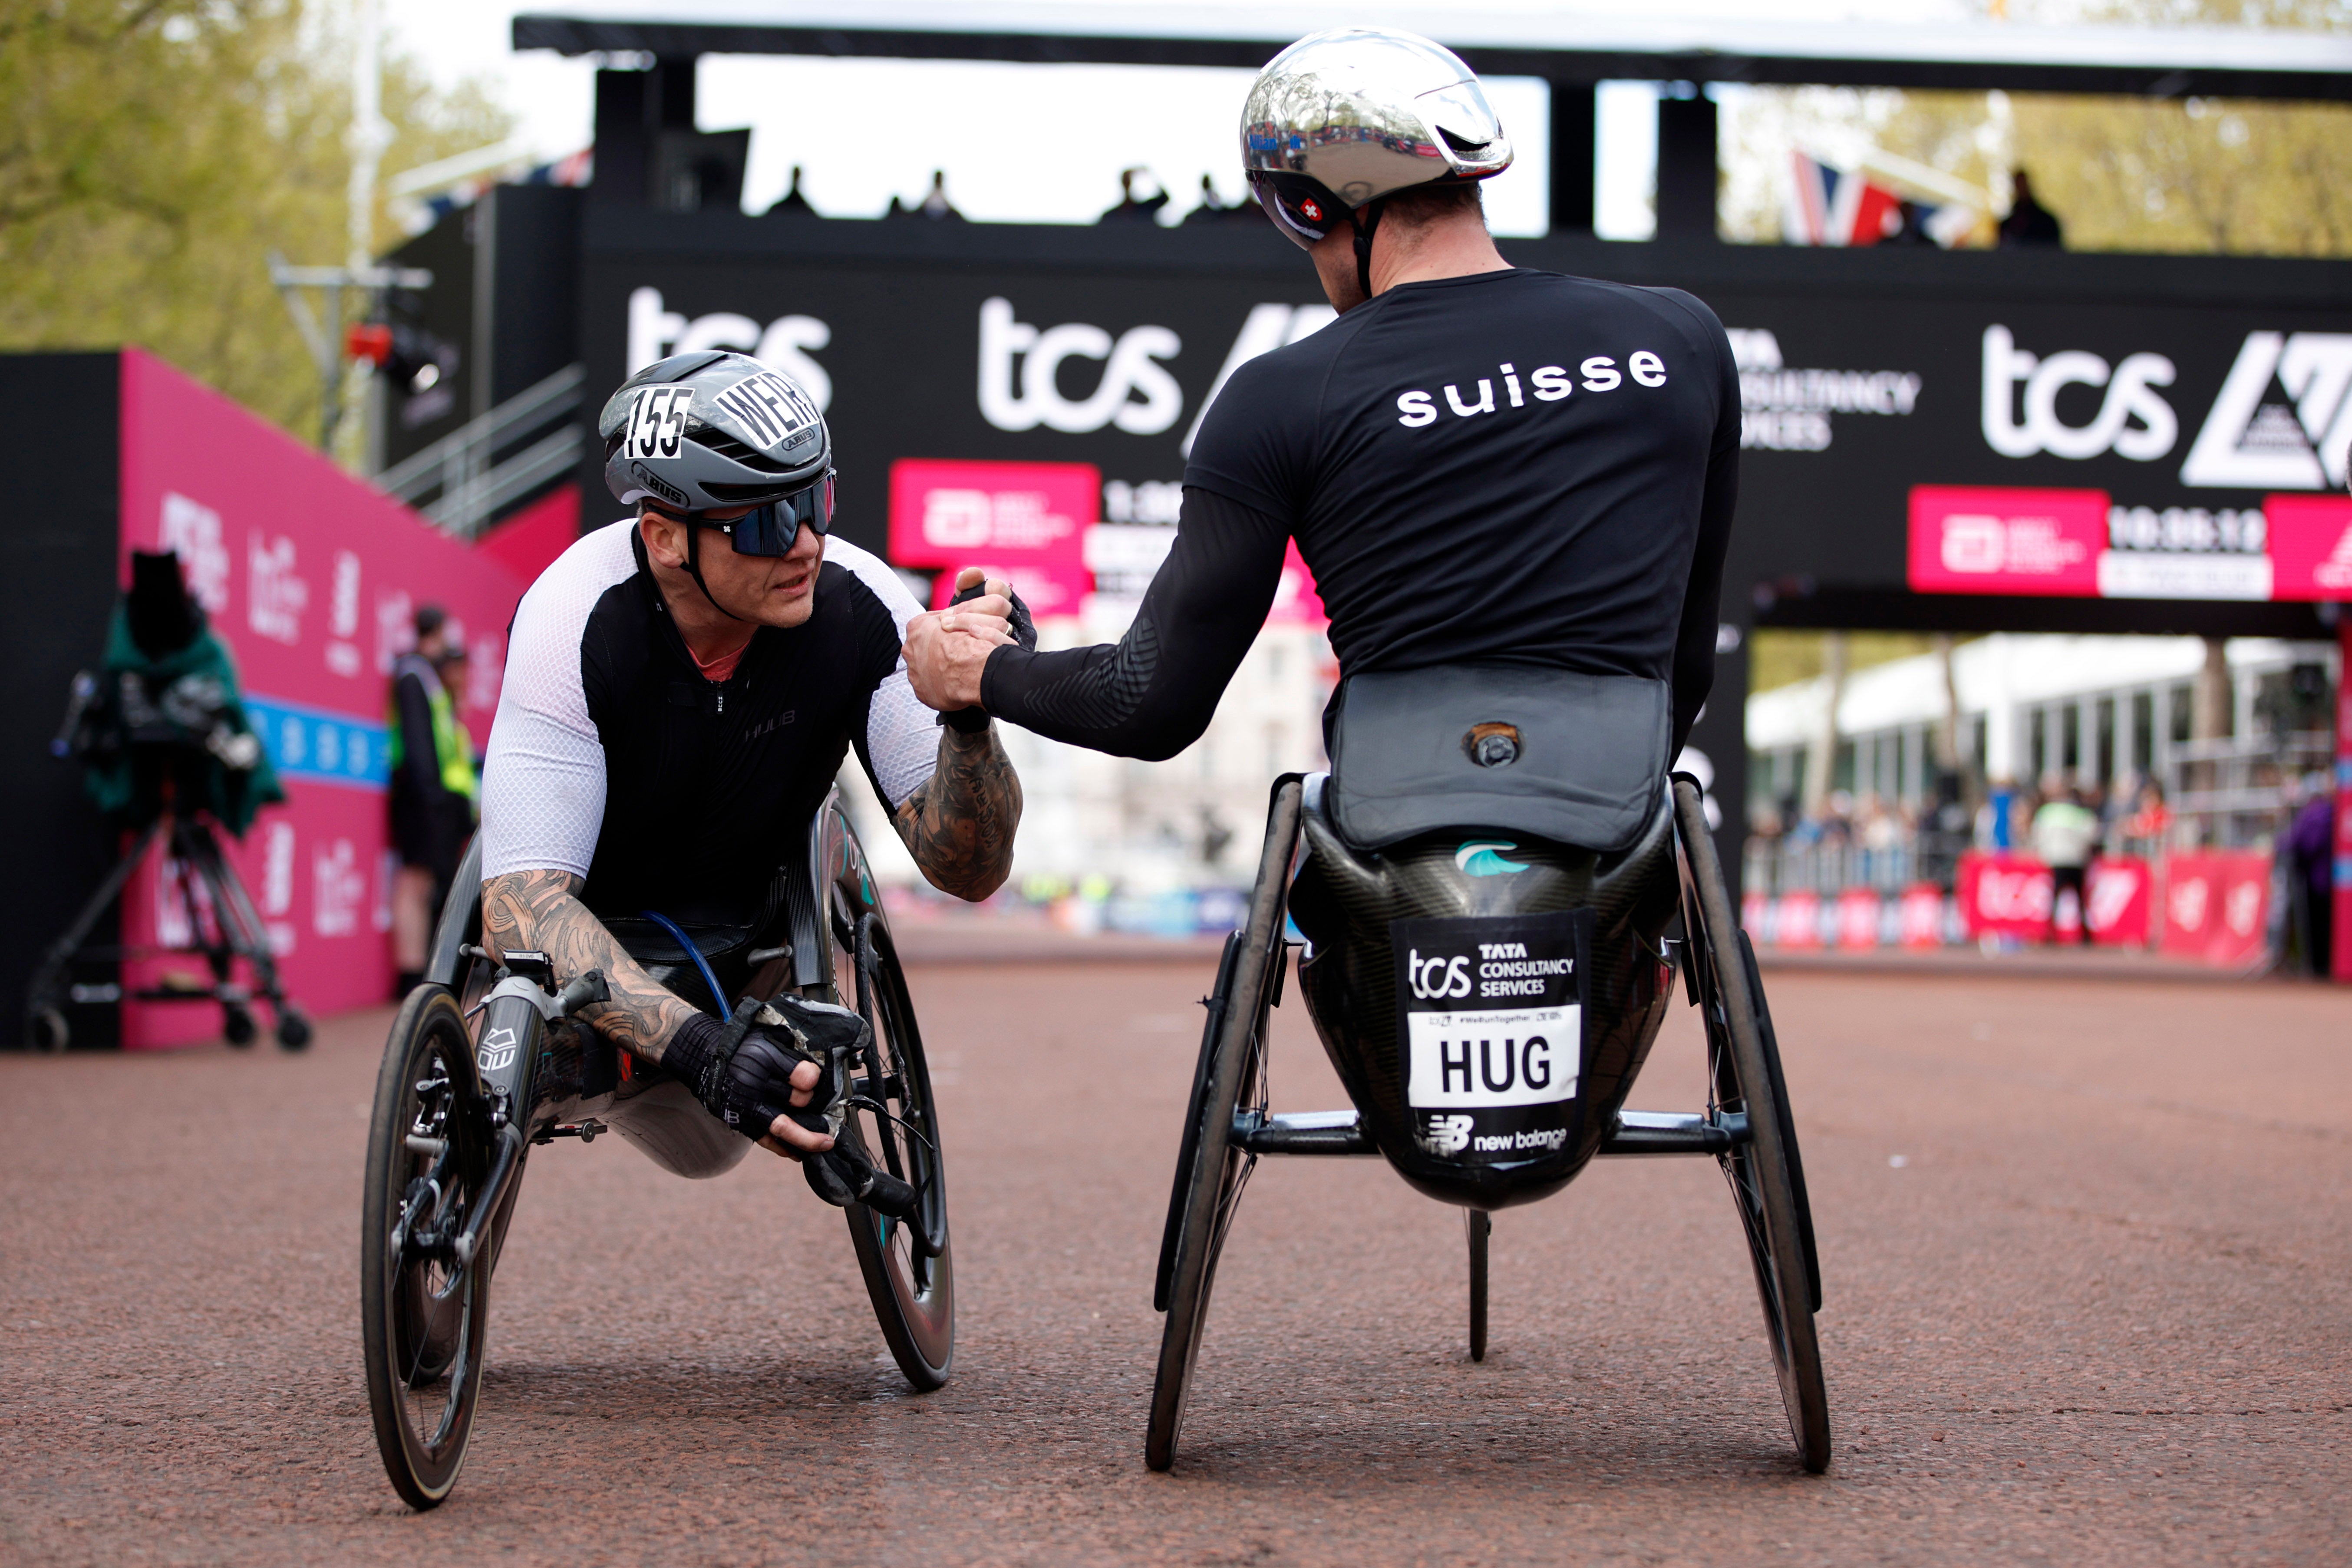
{"x":1491,"y":1032}
{"x":1020,"y":367}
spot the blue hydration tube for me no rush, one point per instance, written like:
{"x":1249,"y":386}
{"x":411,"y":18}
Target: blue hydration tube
{"x":718,"y":997}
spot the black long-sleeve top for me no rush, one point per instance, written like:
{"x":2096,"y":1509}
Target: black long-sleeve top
{"x":1509,"y":466}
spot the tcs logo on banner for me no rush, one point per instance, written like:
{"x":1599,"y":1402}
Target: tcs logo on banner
{"x":2300,"y":439}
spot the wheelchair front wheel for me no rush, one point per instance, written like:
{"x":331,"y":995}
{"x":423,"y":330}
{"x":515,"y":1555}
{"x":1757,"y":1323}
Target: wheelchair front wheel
{"x":422,"y":1315}
{"x":1211,"y":1171}
{"x":908,"y":1266}
{"x":1765,"y":1173}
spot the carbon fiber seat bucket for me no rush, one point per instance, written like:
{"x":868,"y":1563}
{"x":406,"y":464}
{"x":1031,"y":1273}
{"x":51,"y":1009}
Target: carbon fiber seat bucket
{"x":1343,"y":901}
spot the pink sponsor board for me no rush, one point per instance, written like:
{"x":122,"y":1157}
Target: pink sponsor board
{"x":2011,"y":896}
{"x":1991,"y":540}
{"x":2215,"y":903}
{"x":1026,"y":522}
{"x":310,"y":577}
{"x":2310,"y":542}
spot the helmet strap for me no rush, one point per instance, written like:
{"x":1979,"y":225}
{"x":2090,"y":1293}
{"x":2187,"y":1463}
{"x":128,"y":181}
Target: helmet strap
{"x":1365,"y":219}
{"x":694,"y":568}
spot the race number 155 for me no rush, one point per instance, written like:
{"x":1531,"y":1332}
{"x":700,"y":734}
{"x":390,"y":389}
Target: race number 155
{"x":657,"y":421}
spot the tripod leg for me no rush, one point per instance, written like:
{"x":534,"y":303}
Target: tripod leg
{"x":43,"y":991}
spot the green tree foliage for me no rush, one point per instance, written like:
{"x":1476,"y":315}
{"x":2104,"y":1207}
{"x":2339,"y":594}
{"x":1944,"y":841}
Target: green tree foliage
{"x":153,"y":152}
{"x":2208,"y":175}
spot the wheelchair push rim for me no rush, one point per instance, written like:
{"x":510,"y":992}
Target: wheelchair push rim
{"x":424,"y":1316}
{"x":909,"y":1265}
{"x":1211,"y":1171}
{"x":1764,"y":1171}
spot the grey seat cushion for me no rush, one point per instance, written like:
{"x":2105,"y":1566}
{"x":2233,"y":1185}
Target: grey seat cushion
{"x":1590,"y":771}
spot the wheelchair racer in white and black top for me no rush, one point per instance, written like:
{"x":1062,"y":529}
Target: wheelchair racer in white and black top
{"x":681,"y":689}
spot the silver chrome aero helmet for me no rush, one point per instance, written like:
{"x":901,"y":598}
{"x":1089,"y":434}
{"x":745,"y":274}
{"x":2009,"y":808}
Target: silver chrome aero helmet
{"x":1346,"y":117}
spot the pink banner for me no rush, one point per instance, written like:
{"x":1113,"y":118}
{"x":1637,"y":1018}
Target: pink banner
{"x":2011,"y":896}
{"x":2310,"y":542}
{"x":310,"y":577}
{"x":1988,"y":540}
{"x":2004,"y":895}
{"x":1022,"y":522}
{"x":1799,"y":922}
{"x":2215,"y":903}
{"x":1298,"y":601}
{"x":2341,"y":968}
{"x":2122,"y":898}
{"x":1857,"y":918}
{"x":1921,"y":919}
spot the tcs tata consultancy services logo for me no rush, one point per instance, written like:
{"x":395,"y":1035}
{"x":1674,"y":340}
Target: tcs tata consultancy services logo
{"x":2248,"y":441}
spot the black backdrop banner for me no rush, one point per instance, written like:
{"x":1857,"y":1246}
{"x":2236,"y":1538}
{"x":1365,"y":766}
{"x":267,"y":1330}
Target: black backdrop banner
{"x":2189,"y":387}
{"x":2186,"y":389}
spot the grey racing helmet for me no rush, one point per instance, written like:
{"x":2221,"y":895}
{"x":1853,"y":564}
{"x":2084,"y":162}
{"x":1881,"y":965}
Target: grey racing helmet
{"x":1345,"y":118}
{"x":699,"y":431}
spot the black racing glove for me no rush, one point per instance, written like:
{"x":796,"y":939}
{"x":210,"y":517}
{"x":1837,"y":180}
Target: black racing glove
{"x":742,"y":1076}
{"x":971,"y":720}
{"x":741,"y":1072}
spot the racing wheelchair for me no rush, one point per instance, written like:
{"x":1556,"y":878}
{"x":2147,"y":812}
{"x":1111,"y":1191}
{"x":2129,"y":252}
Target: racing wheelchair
{"x":1496,"y":882}
{"x":484,"y":1064}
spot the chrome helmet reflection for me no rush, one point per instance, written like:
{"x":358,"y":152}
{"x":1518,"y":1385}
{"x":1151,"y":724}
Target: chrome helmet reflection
{"x":1345,"y":117}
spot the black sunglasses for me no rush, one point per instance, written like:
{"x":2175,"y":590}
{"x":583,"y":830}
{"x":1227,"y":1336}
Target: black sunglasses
{"x":771,"y":527}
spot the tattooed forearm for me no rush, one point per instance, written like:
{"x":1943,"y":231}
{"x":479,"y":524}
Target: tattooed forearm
{"x":540,"y":911}
{"x":959,"y":826}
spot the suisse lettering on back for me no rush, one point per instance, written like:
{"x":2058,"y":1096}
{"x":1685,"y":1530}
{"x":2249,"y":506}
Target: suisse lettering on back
{"x":1418,"y":409}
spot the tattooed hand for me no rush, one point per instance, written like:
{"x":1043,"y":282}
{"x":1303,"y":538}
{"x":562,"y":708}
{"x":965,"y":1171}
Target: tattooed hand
{"x":540,"y":911}
{"x":958,"y":826}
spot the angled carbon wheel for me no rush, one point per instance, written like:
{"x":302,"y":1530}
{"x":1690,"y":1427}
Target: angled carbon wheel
{"x":1211,"y":1171}
{"x":909,"y":1267}
{"x":1765,"y":1174}
{"x":422,"y":1315}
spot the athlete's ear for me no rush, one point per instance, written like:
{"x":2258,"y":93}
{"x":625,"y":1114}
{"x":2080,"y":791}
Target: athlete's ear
{"x":665,"y":538}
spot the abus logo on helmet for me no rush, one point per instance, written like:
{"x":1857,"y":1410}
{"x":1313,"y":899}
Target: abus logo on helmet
{"x":2133,"y":422}
{"x":1136,"y":392}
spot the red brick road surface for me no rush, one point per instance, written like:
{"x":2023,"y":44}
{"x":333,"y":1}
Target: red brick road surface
{"x":2088,"y":1275}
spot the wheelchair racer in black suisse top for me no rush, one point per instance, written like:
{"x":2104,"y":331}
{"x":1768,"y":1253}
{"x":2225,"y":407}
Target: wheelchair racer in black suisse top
{"x":1481,"y":463}
{"x":681,"y":689}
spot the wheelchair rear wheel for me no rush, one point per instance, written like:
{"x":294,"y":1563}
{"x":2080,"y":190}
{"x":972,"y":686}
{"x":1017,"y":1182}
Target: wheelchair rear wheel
{"x":422,"y":1314}
{"x":1765,"y":1173}
{"x":908,"y":1267}
{"x":1211,"y":1171}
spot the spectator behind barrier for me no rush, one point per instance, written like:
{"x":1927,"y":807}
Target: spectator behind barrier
{"x":432,"y":788}
{"x":2065,"y":831}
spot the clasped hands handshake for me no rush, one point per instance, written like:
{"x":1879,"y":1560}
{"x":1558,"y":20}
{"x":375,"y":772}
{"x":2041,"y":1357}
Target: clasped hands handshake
{"x":947,"y":650}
